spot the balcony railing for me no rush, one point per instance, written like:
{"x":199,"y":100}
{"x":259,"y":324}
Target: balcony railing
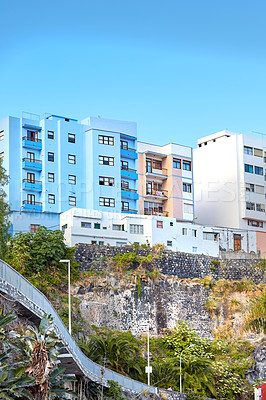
{"x":154,"y":211}
{"x":36,"y":203}
{"x":31,"y":139}
{"x":130,"y":211}
{"x":128,"y":190}
{"x":32,"y":160}
{"x":157,"y":193}
{"x":128,"y":169}
{"x":33,"y":181}
{"x":128,"y":149}
{"x":157,"y":171}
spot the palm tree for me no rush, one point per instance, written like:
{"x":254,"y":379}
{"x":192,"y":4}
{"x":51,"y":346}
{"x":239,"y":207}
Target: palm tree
{"x":255,"y":318}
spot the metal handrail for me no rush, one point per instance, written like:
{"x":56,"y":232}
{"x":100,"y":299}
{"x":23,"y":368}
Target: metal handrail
{"x":129,"y":149}
{"x":128,"y":189}
{"x":32,"y":139}
{"x":130,"y":211}
{"x":32,"y":160}
{"x":29,"y":181}
{"x":128,"y":169}
{"x":11,"y":282}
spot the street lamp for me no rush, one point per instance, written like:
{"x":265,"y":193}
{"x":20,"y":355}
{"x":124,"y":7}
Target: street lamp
{"x":189,"y":347}
{"x":69,"y":295}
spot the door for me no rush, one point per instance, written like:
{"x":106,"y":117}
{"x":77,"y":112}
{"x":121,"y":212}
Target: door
{"x":237,"y":242}
{"x":148,"y":165}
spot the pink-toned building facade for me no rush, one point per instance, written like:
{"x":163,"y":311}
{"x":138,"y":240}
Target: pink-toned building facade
{"x":166,"y":181}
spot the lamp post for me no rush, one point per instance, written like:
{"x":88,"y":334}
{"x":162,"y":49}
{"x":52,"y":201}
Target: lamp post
{"x":69,"y":295}
{"x":189,"y":347}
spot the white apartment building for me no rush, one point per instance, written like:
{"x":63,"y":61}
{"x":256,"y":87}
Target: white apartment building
{"x":117,"y":229}
{"x":229,"y":182}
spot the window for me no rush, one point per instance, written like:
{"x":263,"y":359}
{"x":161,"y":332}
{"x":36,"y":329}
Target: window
{"x":194,"y":232}
{"x":50,"y":156}
{"x":124,"y":165}
{"x":30,"y":198}
{"x":64,"y":227}
{"x":72,"y":179}
{"x":258,"y":152}
{"x":2,"y":154}
{"x":194,"y":249}
{"x":124,"y":185}
{"x":248,"y":150}
{"x":187,"y":187}
{"x":250,"y":206}
{"x":106,"y":202}
{"x":72,"y":201}
{"x":136,"y":229}
{"x":259,"y":189}
{"x":31,"y":156}
{"x":177,"y":163}
{"x":85,"y":224}
{"x":123,"y":144}
{"x":258,"y":170}
{"x":34,"y":228}
{"x":2,"y":135}
{"x":93,"y":242}
{"x":32,"y":136}
{"x":30,"y":177}
{"x":50,"y":177}
{"x":157,"y":164}
{"x":51,"y":198}
{"x":97,"y":225}
{"x":109,"y":140}
{"x":71,"y":138}
{"x":169,"y":243}
{"x":50,"y":134}
{"x":104,"y":160}
{"x":106,"y":181}
{"x":249,"y":168}
{"x":125,"y":206}
{"x":171,"y":224}
{"x":210,"y":236}
{"x":71,"y":159}
{"x":101,"y":243}
{"x":117,"y":227}
{"x":160,"y":224}
{"x":188,"y":208}
{"x":184,"y":231}
{"x":260,"y":207}
{"x":187,"y":165}
{"x":258,"y":224}
{"x":249,"y":187}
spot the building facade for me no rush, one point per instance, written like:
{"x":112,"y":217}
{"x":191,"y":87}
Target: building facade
{"x":56,"y":163}
{"x":166,"y":181}
{"x":230,"y":182}
{"x":117,"y":229}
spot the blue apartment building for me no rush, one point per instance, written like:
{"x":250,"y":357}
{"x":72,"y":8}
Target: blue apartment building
{"x":57,"y":163}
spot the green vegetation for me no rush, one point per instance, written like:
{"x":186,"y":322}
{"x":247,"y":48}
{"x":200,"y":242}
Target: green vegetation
{"x":255,"y":319}
{"x":4,"y":210}
{"x":28,"y":362}
{"x":209,"y":368}
{"x":36,"y":256}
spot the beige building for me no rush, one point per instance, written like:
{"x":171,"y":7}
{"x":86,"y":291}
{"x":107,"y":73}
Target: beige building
{"x":166,"y":181}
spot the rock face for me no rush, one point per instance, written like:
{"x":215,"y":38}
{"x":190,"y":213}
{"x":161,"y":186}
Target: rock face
{"x":162,"y":302}
{"x":258,"y":372}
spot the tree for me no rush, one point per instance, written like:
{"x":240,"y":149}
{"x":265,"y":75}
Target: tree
{"x":4,"y":211}
{"x":255,"y":318}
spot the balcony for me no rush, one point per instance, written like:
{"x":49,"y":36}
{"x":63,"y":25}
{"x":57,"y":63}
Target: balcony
{"x":35,"y":186}
{"x":34,"y":165}
{"x":129,"y":173}
{"x":155,"y":211}
{"x":34,"y":207}
{"x":155,"y":172}
{"x":128,"y":153}
{"x":129,"y":193}
{"x":160,"y":194}
{"x":32,"y":143}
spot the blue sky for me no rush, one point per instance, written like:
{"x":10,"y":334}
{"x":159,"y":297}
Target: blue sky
{"x":180,"y":69}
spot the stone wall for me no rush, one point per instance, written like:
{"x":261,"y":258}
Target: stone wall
{"x":182,"y":265}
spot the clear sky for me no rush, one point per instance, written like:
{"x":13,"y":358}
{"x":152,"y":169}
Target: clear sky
{"x":180,"y":69}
